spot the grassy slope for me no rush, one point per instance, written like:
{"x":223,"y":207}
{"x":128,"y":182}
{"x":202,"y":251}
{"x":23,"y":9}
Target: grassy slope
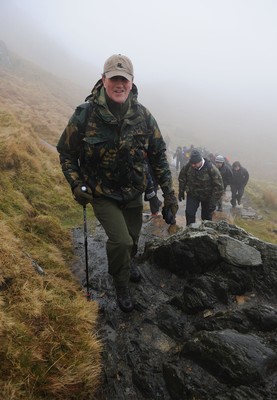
{"x":49,"y":347}
{"x":263,"y":198}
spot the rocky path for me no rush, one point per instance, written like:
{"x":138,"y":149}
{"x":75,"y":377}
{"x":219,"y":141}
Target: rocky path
{"x":138,"y":346}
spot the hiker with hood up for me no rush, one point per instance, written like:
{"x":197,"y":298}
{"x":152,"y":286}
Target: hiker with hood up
{"x":109,"y":156}
{"x":239,"y":181}
{"x":202,"y":182}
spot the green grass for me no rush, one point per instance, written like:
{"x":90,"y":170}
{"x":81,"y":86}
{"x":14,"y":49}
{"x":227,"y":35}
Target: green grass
{"x":263,"y":198}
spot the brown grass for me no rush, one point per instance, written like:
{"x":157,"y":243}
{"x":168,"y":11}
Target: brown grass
{"x":49,"y":345}
{"x":270,"y":198}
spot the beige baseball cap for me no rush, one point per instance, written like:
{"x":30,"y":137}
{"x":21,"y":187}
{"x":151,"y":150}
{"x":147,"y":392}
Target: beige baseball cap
{"x":119,"y":65}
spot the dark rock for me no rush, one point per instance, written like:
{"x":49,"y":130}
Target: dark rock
{"x":191,"y":252}
{"x":231,"y":356}
{"x":204,"y":324}
{"x":171,"y":322}
{"x":238,"y":253}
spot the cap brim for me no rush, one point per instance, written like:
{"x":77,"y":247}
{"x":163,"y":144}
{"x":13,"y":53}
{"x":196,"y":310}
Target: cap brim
{"x":111,"y":74}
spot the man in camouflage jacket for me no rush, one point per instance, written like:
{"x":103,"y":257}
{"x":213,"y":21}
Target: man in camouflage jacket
{"x":106,"y":148}
{"x":202,"y":182}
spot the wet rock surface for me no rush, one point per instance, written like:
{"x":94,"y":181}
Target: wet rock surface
{"x":204,"y":324}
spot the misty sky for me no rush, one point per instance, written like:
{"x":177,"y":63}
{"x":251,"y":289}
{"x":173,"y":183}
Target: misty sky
{"x":230,"y":42}
{"x":214,"y":61}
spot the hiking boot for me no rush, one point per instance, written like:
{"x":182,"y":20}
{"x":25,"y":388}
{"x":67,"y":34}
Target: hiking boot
{"x":124,"y":299}
{"x":135,"y":275}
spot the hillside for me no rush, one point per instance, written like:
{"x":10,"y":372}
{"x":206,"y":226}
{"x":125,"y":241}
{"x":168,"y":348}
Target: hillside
{"x":37,"y":97}
{"x":49,"y":346}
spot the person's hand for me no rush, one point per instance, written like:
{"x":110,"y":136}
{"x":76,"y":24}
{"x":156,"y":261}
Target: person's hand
{"x":168,"y":216}
{"x":82,"y":194}
{"x":170,"y":208}
{"x":181,"y":194}
{"x":149,"y":193}
{"x":212,"y":207}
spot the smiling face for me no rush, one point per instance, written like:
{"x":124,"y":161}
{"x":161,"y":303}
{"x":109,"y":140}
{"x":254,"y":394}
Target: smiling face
{"x":117,"y":88}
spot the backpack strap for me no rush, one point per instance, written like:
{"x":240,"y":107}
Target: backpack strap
{"x":81,"y":116}
{"x":80,"y":119}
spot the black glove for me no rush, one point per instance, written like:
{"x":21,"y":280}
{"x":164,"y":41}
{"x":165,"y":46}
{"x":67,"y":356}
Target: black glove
{"x":82,"y":194}
{"x":168,"y":216}
{"x":170,"y":208}
{"x":181,"y":194}
{"x":149,"y":193}
{"x":212,"y":207}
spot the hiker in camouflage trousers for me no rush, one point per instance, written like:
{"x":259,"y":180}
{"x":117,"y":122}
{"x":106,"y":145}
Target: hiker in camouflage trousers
{"x":108,"y":150}
{"x":202,"y":182}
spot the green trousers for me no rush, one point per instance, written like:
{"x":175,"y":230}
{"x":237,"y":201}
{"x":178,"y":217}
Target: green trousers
{"x":122,"y":225}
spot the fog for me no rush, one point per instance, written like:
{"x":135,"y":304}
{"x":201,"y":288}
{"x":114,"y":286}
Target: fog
{"x":206,"y":69}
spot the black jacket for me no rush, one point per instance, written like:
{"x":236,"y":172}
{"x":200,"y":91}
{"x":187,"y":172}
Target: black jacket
{"x":227,"y":175}
{"x":240,"y":177}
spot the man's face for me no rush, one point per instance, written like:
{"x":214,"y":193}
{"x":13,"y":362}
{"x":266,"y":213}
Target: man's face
{"x":117,"y":88}
{"x":218,"y":165}
{"x":196,"y":165}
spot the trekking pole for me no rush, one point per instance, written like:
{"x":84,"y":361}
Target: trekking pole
{"x":86,"y":248}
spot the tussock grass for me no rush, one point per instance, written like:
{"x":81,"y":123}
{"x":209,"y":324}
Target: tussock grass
{"x":49,"y":344}
{"x":270,"y":198}
{"x":263,"y":197}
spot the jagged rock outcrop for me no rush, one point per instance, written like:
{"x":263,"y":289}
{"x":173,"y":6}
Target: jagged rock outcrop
{"x":205,"y":319}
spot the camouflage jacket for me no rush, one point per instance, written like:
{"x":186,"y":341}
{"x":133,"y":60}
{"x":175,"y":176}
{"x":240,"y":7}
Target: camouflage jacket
{"x":110,"y":155}
{"x":205,"y":184}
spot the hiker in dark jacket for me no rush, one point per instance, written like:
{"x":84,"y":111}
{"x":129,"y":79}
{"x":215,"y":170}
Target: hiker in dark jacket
{"x":226,"y":174}
{"x":238,"y":183}
{"x":108,"y":159}
{"x":202,"y":182}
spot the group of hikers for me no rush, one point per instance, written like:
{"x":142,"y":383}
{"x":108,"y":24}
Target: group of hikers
{"x":112,"y":153}
{"x":182,"y":155}
{"x":205,"y":179}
